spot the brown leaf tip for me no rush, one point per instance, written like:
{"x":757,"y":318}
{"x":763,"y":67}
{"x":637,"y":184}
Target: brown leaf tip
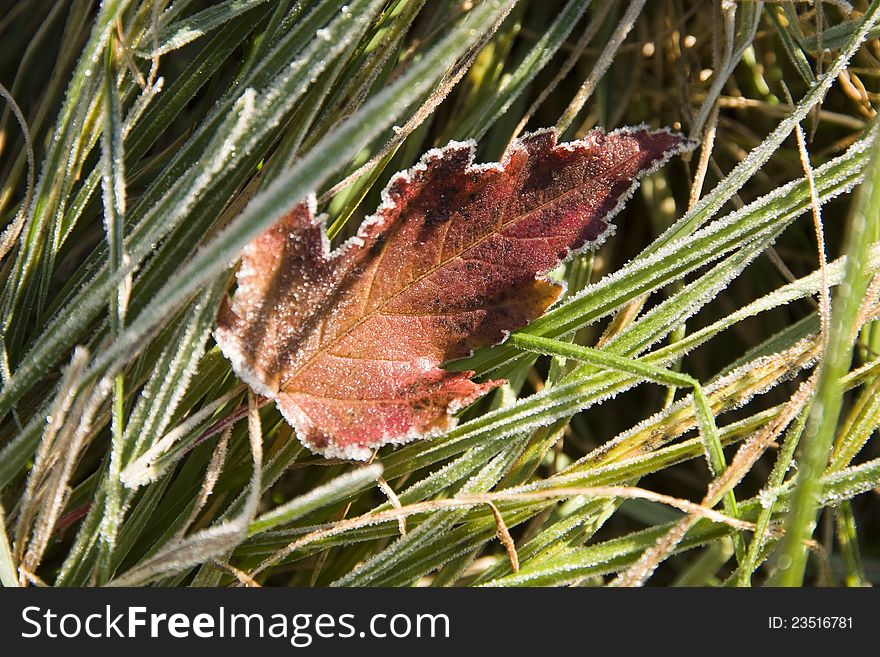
{"x":349,"y":343}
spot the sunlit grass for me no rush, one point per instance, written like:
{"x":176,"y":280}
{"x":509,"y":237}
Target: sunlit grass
{"x":697,"y":416}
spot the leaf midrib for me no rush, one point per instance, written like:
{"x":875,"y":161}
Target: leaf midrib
{"x":324,"y":349}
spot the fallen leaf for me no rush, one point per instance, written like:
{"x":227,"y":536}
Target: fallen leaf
{"x":349,"y":343}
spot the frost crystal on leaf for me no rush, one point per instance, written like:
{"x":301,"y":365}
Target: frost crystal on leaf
{"x":349,"y":343}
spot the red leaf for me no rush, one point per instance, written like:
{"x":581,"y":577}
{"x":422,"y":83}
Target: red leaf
{"x":349,"y":343}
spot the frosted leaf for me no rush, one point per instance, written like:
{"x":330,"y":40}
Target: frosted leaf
{"x":349,"y":343}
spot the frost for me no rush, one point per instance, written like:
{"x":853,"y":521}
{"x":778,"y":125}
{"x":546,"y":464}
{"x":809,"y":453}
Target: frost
{"x":383,"y":567}
{"x":767,"y":497}
{"x":752,"y":225}
{"x":348,"y":343}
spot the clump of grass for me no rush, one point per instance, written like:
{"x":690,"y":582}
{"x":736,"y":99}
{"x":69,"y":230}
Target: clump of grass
{"x":698,"y":410}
